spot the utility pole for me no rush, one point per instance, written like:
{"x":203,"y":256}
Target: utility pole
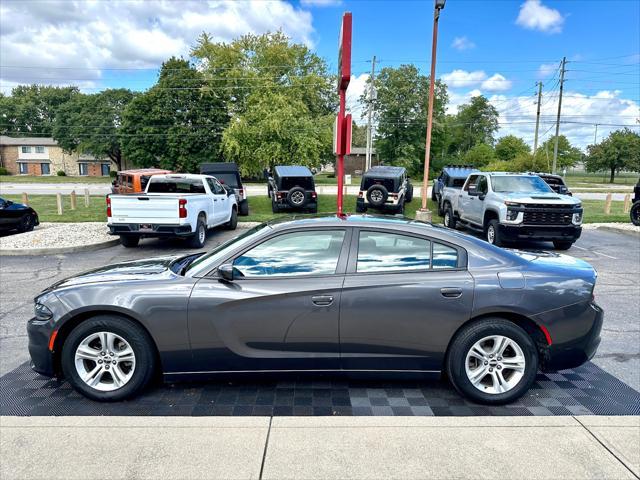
{"x":595,"y":135}
{"x":367,"y":162}
{"x":555,"y":146}
{"x":535,"y":138}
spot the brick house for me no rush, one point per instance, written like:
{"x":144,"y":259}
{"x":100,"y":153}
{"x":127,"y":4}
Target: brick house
{"x":355,"y":161}
{"x":43,"y":156}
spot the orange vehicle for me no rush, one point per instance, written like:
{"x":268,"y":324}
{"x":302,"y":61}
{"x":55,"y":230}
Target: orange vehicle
{"x":134,"y":181}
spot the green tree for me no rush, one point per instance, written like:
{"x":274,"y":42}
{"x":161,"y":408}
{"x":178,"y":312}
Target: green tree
{"x":90,"y":123}
{"x":476,"y":122}
{"x":400,"y":109}
{"x":510,"y":147}
{"x":568,"y":155}
{"x":480,"y":155}
{"x":358,"y":135}
{"x":31,"y":109}
{"x":619,"y":151}
{"x":176,"y":124}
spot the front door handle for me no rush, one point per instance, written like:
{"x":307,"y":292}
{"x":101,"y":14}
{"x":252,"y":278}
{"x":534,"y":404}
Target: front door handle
{"x":451,"y":292}
{"x":322,"y":300}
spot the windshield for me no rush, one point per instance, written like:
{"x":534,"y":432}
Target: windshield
{"x":512,"y":183}
{"x":175,"y":185}
{"x":221,"y":250}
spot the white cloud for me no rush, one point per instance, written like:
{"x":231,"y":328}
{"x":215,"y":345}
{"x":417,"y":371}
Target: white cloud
{"x":547,"y":69}
{"x":462,"y":78}
{"x":100,"y":34}
{"x":496,"y":83}
{"x":355,"y":90}
{"x":535,"y":16}
{"x":321,"y":3}
{"x":462,"y":43}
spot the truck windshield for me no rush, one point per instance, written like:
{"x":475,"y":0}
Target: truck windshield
{"x":512,"y":183}
{"x":175,"y":185}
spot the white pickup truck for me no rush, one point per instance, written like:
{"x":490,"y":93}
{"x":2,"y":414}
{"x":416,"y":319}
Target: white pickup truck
{"x":173,"y":205}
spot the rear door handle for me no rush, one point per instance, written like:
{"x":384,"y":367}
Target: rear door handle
{"x":451,"y":292}
{"x":322,"y":300}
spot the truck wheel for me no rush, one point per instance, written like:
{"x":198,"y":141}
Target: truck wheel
{"x":244,"y":208}
{"x":377,"y":195}
{"x":562,"y":245}
{"x":296,"y":197}
{"x":433,"y":193}
{"x":129,"y":241}
{"x":198,"y":239}
{"x":635,"y":214}
{"x":492,"y":233}
{"x":440,"y":210}
{"x":274,"y":206}
{"x":492,"y":361}
{"x":449,"y":220}
{"x":409,"y":195}
{"x":400,"y":209}
{"x":233,"y":221}
{"x":360,"y":208}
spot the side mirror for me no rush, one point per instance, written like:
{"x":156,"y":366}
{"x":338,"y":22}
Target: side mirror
{"x":472,"y":190}
{"x":481,"y":196}
{"x":225,"y":272}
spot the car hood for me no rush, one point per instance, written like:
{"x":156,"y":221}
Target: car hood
{"x":149,"y":268}
{"x":540,"y":198}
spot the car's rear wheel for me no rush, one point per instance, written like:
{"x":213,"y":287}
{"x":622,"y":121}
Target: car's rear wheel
{"x":108,"y":358}
{"x":562,"y":245}
{"x":492,"y":361}
{"x":449,"y":220}
{"x":27,"y":222}
{"x":409,"y":196}
{"x":129,"y":241}
{"x":243,"y":208}
{"x":199,"y":238}
{"x":233,"y":221}
{"x":274,"y":206}
{"x":635,"y":214}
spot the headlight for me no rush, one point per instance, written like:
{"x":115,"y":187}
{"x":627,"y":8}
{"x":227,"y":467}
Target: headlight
{"x":512,"y":215}
{"x":42,"y":312}
{"x":512,"y":204}
{"x":577,"y":218}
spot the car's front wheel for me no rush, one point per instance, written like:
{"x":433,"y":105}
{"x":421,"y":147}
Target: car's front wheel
{"x":27,"y":222}
{"x":635,"y":214}
{"x":449,"y":218}
{"x":562,"y":245}
{"x":129,"y":241}
{"x":492,"y":361}
{"x":108,"y":358}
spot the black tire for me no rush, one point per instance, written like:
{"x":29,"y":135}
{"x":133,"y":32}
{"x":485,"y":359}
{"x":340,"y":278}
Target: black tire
{"x":440,"y":210}
{"x":129,"y":241}
{"x":274,"y":206}
{"x":297,"y":198}
{"x":562,"y":245}
{"x":462,"y":343}
{"x":449,"y":219}
{"x":400,"y":208}
{"x":634,"y":214}
{"x":377,"y":195}
{"x":233,"y":221}
{"x":313,"y":209}
{"x":409,"y":194}
{"x":131,"y":332}
{"x":197,"y":240}
{"x":492,"y":233}
{"x":243,"y":208}
{"x":27,"y":222}
{"x":360,"y":208}
{"x":433,"y":193}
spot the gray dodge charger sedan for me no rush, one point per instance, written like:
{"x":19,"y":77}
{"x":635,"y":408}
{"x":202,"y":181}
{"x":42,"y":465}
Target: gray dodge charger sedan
{"x":329,"y":294}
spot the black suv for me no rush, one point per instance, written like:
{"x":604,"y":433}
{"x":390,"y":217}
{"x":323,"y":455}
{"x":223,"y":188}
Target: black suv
{"x":292,"y":188}
{"x":228,"y":175}
{"x":556,"y":182}
{"x":635,"y":209}
{"x":384,"y":188}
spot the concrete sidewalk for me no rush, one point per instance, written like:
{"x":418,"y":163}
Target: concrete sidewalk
{"x":319,"y":447}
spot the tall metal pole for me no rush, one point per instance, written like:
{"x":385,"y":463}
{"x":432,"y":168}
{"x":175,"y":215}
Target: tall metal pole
{"x":535,"y":138}
{"x":424,"y":214}
{"x":367,"y":162}
{"x":595,"y":135}
{"x":555,"y":145}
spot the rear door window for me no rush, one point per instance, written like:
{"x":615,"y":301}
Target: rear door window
{"x":387,"y":252}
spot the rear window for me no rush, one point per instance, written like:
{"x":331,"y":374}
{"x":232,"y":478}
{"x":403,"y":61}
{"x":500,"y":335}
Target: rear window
{"x":456,"y":182}
{"x":369,"y":181}
{"x":228,"y":179}
{"x":176,"y":185}
{"x":144,"y":179}
{"x":287,"y":183}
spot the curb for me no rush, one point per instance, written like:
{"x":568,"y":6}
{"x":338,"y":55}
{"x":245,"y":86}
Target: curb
{"x":619,"y":230}
{"x":14,"y":252}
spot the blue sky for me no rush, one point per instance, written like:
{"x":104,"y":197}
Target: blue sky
{"x":495,"y":48}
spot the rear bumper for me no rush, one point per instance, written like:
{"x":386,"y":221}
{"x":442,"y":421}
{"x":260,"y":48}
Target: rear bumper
{"x":540,"y":232}
{"x":309,"y":204}
{"x":576,"y":351}
{"x":39,"y":334}
{"x":157,"y":230}
{"x":389,"y":205}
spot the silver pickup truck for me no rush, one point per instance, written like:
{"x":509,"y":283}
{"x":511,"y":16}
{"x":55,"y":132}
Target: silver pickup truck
{"x":508,"y":207}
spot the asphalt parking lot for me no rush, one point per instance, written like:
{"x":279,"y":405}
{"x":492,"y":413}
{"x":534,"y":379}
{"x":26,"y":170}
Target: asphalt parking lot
{"x":616,"y":256}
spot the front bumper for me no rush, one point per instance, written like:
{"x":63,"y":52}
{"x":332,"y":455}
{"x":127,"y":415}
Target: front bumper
{"x":157,"y":230}
{"x":39,"y":334}
{"x":576,"y":351}
{"x":540,"y":232}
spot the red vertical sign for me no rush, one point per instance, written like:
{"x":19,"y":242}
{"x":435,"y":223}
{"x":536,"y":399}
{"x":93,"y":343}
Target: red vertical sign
{"x":344,"y":76}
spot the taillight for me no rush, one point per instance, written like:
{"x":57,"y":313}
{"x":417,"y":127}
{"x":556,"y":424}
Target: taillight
{"x":359,"y":194}
{"x":182,"y":208}
{"x":314,"y":195}
{"x":242,"y":192}
{"x":108,"y":206}
{"x":395,"y":196}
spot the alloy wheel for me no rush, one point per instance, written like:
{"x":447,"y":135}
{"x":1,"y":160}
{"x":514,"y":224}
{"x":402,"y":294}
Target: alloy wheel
{"x":495,"y":364}
{"x":376,"y":196}
{"x":297,"y":197}
{"x":105,"y":361}
{"x":491,"y":234}
{"x":202,"y":233}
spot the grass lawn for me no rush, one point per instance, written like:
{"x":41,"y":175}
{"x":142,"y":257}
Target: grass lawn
{"x":590,"y":179}
{"x":260,"y":209}
{"x":51,"y":179}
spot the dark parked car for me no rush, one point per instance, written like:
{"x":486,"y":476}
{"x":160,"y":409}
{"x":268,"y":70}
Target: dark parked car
{"x":556,"y":182}
{"x":635,"y":208}
{"x":16,"y":216}
{"x":452,"y":176}
{"x":228,"y":175}
{"x":323,"y":294}
{"x":292,"y":188}
{"x":384,"y":189}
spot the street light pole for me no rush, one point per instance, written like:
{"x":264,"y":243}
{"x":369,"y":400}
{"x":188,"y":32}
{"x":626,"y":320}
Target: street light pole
{"x":424,"y":214}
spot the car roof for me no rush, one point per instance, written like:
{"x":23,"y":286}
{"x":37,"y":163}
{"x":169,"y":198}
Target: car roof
{"x":142,"y":171}
{"x":459,"y":171}
{"x":384,"y":171}
{"x":183,"y":176}
{"x":293,"y":171}
{"x":219,"y":167}
{"x":542,"y":174}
